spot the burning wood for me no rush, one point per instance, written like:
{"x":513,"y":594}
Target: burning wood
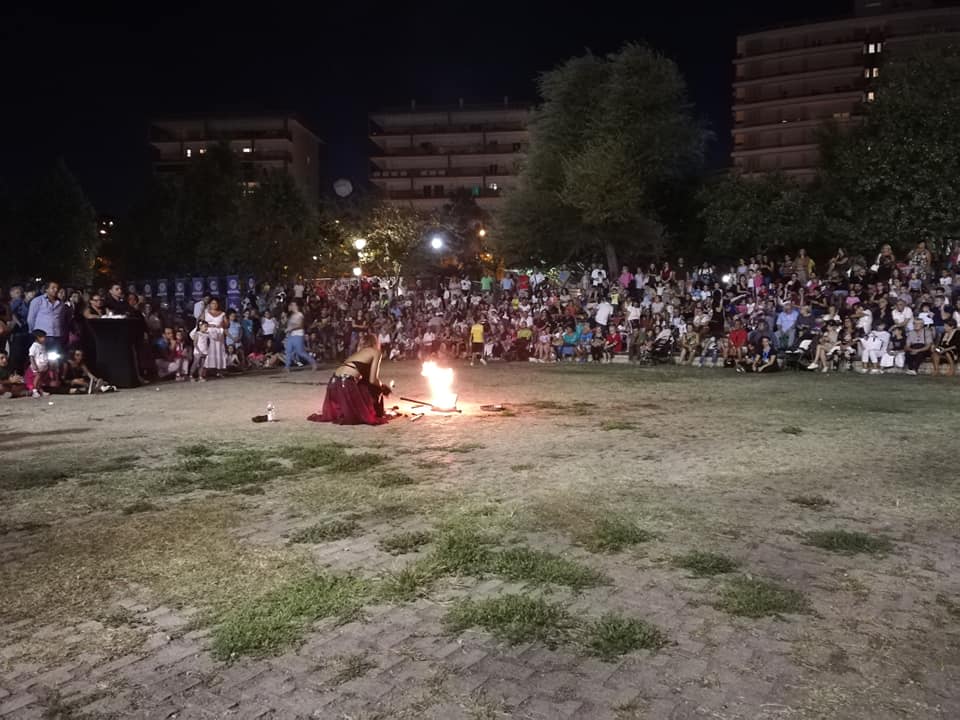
{"x":440,"y":380}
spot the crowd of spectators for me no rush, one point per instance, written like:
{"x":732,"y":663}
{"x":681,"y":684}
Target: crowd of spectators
{"x":892,"y":314}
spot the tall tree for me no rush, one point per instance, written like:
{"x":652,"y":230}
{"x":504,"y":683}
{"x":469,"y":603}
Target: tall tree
{"x":281,"y":229}
{"x":896,"y":178}
{"x":612,"y":140}
{"x":55,"y":232}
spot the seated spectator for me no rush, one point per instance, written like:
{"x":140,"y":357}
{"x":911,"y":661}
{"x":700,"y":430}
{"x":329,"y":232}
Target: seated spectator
{"x":948,"y":349}
{"x":827,"y":348}
{"x":895,"y":356}
{"x":919,"y":345}
{"x":765,"y":359}
{"x":873,"y":347}
{"x":11,"y":382}
{"x":76,"y":378}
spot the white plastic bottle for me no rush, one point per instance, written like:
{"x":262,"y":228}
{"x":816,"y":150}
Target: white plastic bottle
{"x":269,"y":412}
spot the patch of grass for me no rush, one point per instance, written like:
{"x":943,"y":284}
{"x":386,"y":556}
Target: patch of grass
{"x":194,"y":451}
{"x":457,"y":448}
{"x":237,"y":468}
{"x":521,"y":468}
{"x":393,"y":478}
{"x":462,"y":551}
{"x":614,"y":635}
{"x":353,"y":667}
{"x":613,"y":534}
{"x":514,"y":618}
{"x":31,"y":476}
{"x":755,"y":598}
{"x":330,"y":456}
{"x":951,"y":606}
{"x":325,"y":532}
{"x":267,"y":625}
{"x":792,"y":430}
{"x":618,"y":425}
{"x":251,"y":490}
{"x":140,"y":506}
{"x":849,"y":543}
{"x":411,"y":582}
{"x":706,"y":564}
{"x":404,"y":542}
{"x":814,"y":502}
{"x":357,"y":462}
{"x":522,"y":563}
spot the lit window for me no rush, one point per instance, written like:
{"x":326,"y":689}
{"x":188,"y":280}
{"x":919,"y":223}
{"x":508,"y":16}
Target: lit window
{"x":203,"y":150}
{"x":866,"y":72}
{"x":875,"y":72}
{"x":248,"y":150}
{"x":739,"y":139}
{"x":493,"y":186}
{"x":871,"y":96}
{"x":189,"y":152}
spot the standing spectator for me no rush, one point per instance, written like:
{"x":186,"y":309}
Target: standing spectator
{"x":786,"y":325}
{"x":919,"y":344}
{"x":293,"y":340}
{"x":216,"y":321}
{"x":199,"y":307}
{"x":40,"y":374}
{"x":48,"y":313}
{"x":602,"y":317}
{"x":268,"y":326}
{"x":115,"y":301}
{"x":477,"y":342}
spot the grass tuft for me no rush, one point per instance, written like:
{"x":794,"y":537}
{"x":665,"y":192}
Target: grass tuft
{"x":614,"y":534}
{"x":194,"y":451}
{"x":792,"y":430}
{"x":267,"y":625}
{"x":458,"y":448}
{"x":849,"y":543}
{"x":521,"y":468}
{"x":618,"y":425}
{"x":393,"y":478}
{"x":755,"y":598}
{"x":814,"y":502}
{"x":325,"y":532}
{"x":405,"y":542}
{"x":353,"y":667}
{"x":238,"y":468}
{"x":331,"y":456}
{"x":251,"y":490}
{"x":514,"y":618}
{"x":522,"y":563}
{"x":706,"y":564}
{"x":614,"y":635}
{"x":411,"y":582}
{"x":140,"y":506}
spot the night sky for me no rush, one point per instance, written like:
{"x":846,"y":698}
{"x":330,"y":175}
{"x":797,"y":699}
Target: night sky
{"x":82,"y":84}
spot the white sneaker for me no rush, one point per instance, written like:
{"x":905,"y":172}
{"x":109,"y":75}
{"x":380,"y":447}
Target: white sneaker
{"x":911,"y":372}
{"x":482,"y":361}
{"x":471,"y":363}
{"x":825,"y":369}
{"x":875,"y":372}
{"x":862,"y":371}
{"x":36,"y":394}
{"x":812,"y":366}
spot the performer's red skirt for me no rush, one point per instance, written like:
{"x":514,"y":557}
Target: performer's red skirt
{"x":349,"y":401}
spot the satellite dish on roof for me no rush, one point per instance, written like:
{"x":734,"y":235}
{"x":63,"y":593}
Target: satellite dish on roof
{"x":343,"y":187}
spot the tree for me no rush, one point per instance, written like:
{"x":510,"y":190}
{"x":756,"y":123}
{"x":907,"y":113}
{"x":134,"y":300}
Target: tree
{"x":395,"y":237}
{"x":613,"y":139}
{"x":746,"y":216}
{"x":149,"y":238}
{"x":55,"y":233}
{"x":280,"y":228}
{"x":896,"y":178}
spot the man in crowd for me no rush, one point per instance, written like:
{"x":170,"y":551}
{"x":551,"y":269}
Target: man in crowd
{"x":115,"y":301}
{"x":293,"y":341}
{"x":48,"y":313}
{"x":602,"y":318}
{"x":787,"y":325}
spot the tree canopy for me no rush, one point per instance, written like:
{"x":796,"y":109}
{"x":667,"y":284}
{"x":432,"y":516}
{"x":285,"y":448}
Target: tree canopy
{"x":613,"y":138}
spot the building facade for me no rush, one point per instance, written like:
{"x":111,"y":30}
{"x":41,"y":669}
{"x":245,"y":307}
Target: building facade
{"x":264,"y":143}
{"x":423,"y":156}
{"x":790,"y":81}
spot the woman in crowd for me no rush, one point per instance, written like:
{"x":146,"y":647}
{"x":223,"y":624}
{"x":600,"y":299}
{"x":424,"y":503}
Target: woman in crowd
{"x":948,"y":348}
{"x":76,"y":377}
{"x":766,"y":357}
{"x":217,"y":323}
{"x":354,"y":393}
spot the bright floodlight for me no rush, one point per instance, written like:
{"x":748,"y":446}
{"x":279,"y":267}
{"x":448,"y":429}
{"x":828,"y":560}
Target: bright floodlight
{"x":482,"y":233}
{"x":726,"y":279}
{"x":360,"y":243}
{"x":436,"y":242}
{"x":357,"y":272}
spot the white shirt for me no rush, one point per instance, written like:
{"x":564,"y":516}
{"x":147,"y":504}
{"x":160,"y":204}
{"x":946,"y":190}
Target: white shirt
{"x":598,"y":275}
{"x":901,"y":317}
{"x":633,"y":312}
{"x":38,"y":354}
{"x":465,"y":285}
{"x":298,"y":290}
{"x":865,"y":323}
{"x":604,"y":311}
{"x":198,"y":308}
{"x":268,"y":325}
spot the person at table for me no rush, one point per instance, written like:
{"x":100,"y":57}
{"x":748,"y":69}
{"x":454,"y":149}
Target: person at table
{"x":48,"y":313}
{"x":354,"y":392}
{"x":115,"y":302}
{"x":216,"y":320}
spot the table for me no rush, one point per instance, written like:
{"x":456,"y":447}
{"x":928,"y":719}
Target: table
{"x":116,"y":340}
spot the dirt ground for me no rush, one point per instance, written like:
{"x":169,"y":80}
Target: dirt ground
{"x":135,"y":583}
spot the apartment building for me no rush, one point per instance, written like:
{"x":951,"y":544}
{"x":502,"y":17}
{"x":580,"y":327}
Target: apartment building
{"x":264,"y":143}
{"x":791,"y":80}
{"x":424,"y":155}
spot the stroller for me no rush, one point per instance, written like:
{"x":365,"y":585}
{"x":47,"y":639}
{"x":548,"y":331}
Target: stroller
{"x":664,"y":347}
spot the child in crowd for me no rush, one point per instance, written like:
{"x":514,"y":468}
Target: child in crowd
{"x":41,"y":373}
{"x":201,"y":348}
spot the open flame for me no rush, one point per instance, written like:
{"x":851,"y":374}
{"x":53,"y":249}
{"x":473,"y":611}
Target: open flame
{"x":440,"y":380}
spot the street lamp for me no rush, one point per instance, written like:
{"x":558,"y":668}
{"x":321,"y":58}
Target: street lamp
{"x":436,"y":242}
{"x":482,"y":232}
{"x":315,"y":258}
{"x":360,"y":243}
{"x":357,"y":271}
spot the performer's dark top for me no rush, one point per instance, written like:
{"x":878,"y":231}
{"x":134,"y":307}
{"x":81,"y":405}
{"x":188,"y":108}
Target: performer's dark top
{"x":362,"y":367}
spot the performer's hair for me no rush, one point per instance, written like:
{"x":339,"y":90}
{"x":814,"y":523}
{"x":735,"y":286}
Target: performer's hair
{"x":370,"y":340}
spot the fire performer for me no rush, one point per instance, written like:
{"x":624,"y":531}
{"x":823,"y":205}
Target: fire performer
{"x":354,"y":392}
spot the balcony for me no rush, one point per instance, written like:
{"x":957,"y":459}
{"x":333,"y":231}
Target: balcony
{"x":419,"y":195}
{"x":741,"y":151}
{"x":804,"y":121}
{"x":446,"y":129}
{"x":852,"y":68}
{"x":212,"y":135}
{"x":817,"y":97}
{"x":479,"y":149}
{"x":856,"y":45}
{"x":456,"y":172}
{"x":251,"y":157}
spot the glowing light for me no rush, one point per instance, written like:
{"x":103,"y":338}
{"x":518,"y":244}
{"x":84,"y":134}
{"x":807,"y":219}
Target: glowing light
{"x":102,"y":231}
{"x":440,"y":380}
{"x":357,"y":272}
{"x":482,"y":233}
{"x":315,"y":257}
{"x":436,"y":242}
{"x":54,"y":356}
{"x":248,"y":150}
{"x":360,"y":243}
{"x":726,"y":279}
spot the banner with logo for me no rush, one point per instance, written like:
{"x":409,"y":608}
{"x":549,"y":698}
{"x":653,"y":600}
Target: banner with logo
{"x":213,"y":285}
{"x":196,"y":288}
{"x":180,"y":289}
{"x":233,"y":291}
{"x":131,"y":287}
{"x":251,"y":284}
{"x":147,"y":288}
{"x":162,"y":289}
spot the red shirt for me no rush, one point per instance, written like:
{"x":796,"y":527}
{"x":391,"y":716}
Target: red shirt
{"x":523,"y":282}
{"x":738,"y":338}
